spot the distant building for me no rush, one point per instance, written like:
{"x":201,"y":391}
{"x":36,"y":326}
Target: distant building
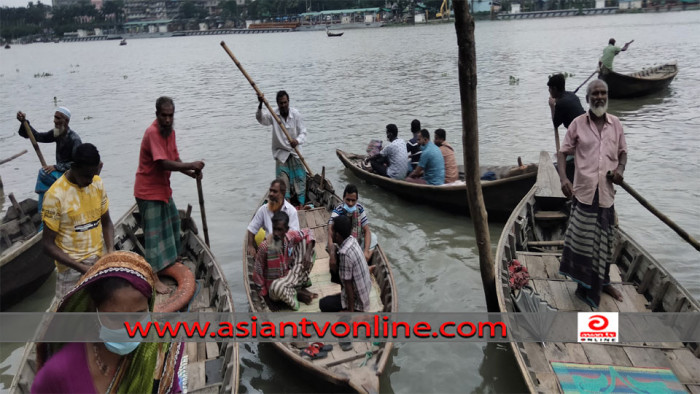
{"x":599,"y":3}
{"x":515,"y":8}
{"x":630,"y":4}
{"x":480,"y":6}
{"x":68,"y":3}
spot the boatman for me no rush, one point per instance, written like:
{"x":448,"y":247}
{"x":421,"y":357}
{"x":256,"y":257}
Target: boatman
{"x":609,"y":53}
{"x":77,"y":225}
{"x":288,"y":166}
{"x":565,"y":107}
{"x":66,"y":141}
{"x":159,"y":216}
{"x":598,"y":144}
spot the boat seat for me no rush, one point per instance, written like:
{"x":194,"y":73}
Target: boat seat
{"x":550,"y":215}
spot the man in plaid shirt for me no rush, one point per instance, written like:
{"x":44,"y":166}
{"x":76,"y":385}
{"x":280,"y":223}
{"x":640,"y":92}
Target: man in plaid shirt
{"x":353,"y":270}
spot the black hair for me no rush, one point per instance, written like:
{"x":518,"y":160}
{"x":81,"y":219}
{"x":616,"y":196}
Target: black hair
{"x":283,"y":186}
{"x":343,"y":226}
{"x":611,"y":41}
{"x":280,"y":216}
{"x":558,"y":82}
{"x":440,"y":133}
{"x":86,"y":155}
{"x":425,"y":134}
{"x":280,"y":94}
{"x":102,"y":290}
{"x":164,"y":100}
{"x":350,"y":189}
{"x":415,"y":126}
{"x":392,"y":129}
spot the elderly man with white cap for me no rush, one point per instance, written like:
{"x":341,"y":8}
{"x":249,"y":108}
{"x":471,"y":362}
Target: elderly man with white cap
{"x":66,"y":141}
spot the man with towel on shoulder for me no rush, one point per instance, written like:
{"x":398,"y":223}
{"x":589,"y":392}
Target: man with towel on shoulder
{"x":159,"y":216}
{"x":66,"y":141}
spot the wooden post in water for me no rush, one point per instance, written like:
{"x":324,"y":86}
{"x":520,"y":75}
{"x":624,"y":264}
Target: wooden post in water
{"x":464,"y":25}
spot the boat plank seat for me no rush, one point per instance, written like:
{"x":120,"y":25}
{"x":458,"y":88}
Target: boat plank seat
{"x":551,"y":215}
{"x":548,"y":184}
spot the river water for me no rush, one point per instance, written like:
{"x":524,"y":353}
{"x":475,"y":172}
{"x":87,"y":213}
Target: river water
{"x":348,"y":89}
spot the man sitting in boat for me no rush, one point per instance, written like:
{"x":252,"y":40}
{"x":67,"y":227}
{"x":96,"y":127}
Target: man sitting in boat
{"x":66,"y":141}
{"x":283,"y":263}
{"x":431,"y":167}
{"x":353,"y":210}
{"x":355,"y":282}
{"x":392,"y":161}
{"x":565,"y":107}
{"x":413,"y":146}
{"x":598,"y":143}
{"x":609,"y":53}
{"x":76,"y":219}
{"x":448,"y":155}
{"x":262,"y":221}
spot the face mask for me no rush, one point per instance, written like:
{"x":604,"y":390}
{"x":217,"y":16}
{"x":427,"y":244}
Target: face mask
{"x":113,"y":338}
{"x":349,"y":209}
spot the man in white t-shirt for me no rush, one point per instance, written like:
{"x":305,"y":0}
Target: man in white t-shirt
{"x":263,"y":217}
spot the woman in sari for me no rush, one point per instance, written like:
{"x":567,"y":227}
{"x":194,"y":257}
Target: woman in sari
{"x":119,"y":282}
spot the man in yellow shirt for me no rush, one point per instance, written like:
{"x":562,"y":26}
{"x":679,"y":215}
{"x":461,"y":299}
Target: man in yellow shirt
{"x":77,"y":225}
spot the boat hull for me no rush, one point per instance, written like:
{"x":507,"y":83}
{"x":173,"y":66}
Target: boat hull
{"x":23,"y":269}
{"x":639,"y":84}
{"x":500,"y":196}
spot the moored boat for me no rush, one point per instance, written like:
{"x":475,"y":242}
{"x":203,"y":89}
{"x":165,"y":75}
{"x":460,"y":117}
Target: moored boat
{"x":213,"y":368}
{"x":534,"y":235}
{"x":640,"y":83}
{"x":500,"y":195}
{"x":360,"y":367}
{"x":23,"y":264}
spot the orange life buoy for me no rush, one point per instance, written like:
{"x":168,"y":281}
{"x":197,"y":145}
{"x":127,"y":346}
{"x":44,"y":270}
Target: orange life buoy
{"x":186,"y":285}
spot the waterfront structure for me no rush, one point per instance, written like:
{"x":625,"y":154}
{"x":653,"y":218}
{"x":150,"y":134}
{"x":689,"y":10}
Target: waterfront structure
{"x":630,"y":4}
{"x":345,"y":19}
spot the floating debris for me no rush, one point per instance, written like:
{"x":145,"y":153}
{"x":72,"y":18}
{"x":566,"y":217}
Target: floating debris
{"x":126,"y":76}
{"x":514,"y":81}
{"x":87,"y":117}
{"x":42,"y":75}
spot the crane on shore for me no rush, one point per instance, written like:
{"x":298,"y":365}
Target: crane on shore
{"x":444,"y":10}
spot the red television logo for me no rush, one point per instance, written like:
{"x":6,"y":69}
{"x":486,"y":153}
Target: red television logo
{"x":598,"y":322}
{"x":598,"y":327}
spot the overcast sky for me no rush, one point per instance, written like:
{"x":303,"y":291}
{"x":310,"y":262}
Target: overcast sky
{"x":20,"y":3}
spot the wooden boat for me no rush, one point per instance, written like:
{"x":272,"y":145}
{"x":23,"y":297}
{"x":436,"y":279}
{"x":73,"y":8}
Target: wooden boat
{"x":500,"y":195}
{"x":640,"y":83}
{"x":343,"y":368}
{"x":122,"y":42}
{"x":23,"y":265}
{"x":331,"y":34}
{"x":211,"y":367}
{"x":534,"y":236}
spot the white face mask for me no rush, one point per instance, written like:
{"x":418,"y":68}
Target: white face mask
{"x":600,"y":110}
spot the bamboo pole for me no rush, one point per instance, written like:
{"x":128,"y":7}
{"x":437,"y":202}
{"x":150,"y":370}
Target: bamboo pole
{"x":3,"y":161}
{"x":670,"y":223}
{"x":464,"y":25}
{"x":205,"y":228}
{"x":30,"y":134}
{"x":269,"y":108}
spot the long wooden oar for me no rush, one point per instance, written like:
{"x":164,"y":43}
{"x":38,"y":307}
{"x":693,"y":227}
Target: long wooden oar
{"x":658,"y":214}
{"x":3,"y":161}
{"x":201,"y":208}
{"x":34,"y":144}
{"x":584,"y":82}
{"x":269,"y":108}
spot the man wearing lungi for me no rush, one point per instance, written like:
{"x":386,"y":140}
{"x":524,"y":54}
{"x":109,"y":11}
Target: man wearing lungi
{"x":283,"y":263}
{"x":288,"y":166}
{"x":597,"y":142}
{"x":159,"y":216}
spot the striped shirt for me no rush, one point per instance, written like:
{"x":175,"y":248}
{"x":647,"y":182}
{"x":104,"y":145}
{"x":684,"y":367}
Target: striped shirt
{"x":353,"y":267}
{"x":276,"y":258}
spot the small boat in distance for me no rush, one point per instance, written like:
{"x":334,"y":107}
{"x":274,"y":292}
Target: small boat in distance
{"x":7,"y":46}
{"x":331,"y":34}
{"x":640,"y":83}
{"x":122,"y":42}
{"x":534,"y":237}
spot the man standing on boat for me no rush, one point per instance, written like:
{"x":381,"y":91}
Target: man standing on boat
{"x":283,"y":264}
{"x":392,"y":161}
{"x":598,"y":144}
{"x":565,"y":107}
{"x":77,"y":225}
{"x":609,"y":53}
{"x":66,"y":141}
{"x":431,"y":167}
{"x":159,"y":216}
{"x":288,"y":166}
{"x":262,"y":221}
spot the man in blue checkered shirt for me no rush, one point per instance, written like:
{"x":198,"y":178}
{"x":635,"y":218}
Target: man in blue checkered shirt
{"x":353,"y":270}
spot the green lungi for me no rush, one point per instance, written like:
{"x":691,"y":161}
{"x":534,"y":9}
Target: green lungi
{"x":161,"y":230}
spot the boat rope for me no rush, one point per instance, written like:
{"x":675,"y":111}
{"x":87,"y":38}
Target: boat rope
{"x":368,"y":355}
